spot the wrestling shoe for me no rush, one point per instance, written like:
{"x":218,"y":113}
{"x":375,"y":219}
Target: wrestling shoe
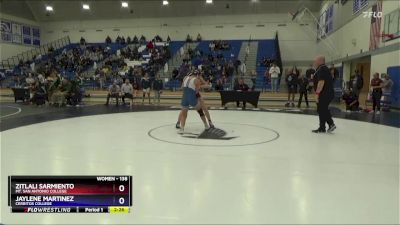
{"x":181,"y":131}
{"x":331,"y":128}
{"x":212,"y":126}
{"x":319,"y":130}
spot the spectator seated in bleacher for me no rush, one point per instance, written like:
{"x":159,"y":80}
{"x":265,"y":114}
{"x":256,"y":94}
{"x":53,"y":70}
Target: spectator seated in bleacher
{"x":135,"y":40}
{"x":211,"y":46}
{"x":82,"y":41}
{"x":175,"y":73}
{"x":225,"y":45}
{"x":266,"y":62}
{"x":351,"y":101}
{"x":118,"y":40}
{"x":50,"y":49}
{"x":219,"y":85}
{"x":199,"y":38}
{"x":30,"y":80}
{"x":189,"y":39}
{"x":78,"y":59}
{"x":142,"y":40}
{"x":108,"y":40}
{"x":2,"y":77}
{"x":219,"y":45}
{"x":157,"y":38}
{"x":123,"y":41}
{"x":150,"y":45}
{"x":199,"y":53}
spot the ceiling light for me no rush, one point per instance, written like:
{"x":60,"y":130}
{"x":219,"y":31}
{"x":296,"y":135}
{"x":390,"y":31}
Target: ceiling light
{"x":49,"y":8}
{"x":209,"y":1}
{"x":124,"y":4}
{"x":165,"y":2}
{"x":85,"y":7}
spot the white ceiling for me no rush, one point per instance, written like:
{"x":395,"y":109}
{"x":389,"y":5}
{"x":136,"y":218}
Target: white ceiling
{"x":111,"y":9}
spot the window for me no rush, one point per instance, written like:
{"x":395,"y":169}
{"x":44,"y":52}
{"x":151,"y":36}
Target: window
{"x":392,"y":24}
{"x":358,"y":5}
{"x":329,"y":20}
{"x":19,"y":33}
{"x":325,"y":22}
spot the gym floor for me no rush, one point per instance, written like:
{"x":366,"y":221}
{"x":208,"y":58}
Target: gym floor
{"x":266,"y":167}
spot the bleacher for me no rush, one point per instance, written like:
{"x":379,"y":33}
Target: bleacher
{"x":174,"y":46}
{"x":266,"y":48}
{"x":203,"y":46}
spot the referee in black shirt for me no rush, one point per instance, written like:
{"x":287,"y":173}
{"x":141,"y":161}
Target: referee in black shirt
{"x":324,"y":94}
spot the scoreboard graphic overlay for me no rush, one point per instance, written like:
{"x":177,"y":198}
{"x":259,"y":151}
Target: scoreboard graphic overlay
{"x":70,"y":194}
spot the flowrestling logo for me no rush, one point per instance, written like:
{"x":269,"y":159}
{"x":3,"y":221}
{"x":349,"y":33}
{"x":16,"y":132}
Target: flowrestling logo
{"x":372,"y":14}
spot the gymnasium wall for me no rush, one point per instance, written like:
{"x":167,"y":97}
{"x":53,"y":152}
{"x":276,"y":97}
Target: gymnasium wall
{"x":8,"y":50}
{"x":297,"y":42}
{"x":343,"y":13}
{"x":384,"y":63}
{"x":351,"y":36}
{"x":380,"y":63}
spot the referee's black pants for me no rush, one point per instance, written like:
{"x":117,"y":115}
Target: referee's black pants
{"x":323,"y":111}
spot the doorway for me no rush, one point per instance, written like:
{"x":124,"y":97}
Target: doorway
{"x":365,"y":71}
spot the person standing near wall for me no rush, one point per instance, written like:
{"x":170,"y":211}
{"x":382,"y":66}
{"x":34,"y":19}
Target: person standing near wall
{"x":334,"y":72}
{"x":243,"y":69}
{"x":376,"y":89}
{"x":303,"y":90}
{"x":387,"y":84}
{"x":247,"y":51}
{"x":291,"y":81}
{"x":357,"y":83}
{"x":274,"y":72}
{"x":146,"y":84}
{"x":310,"y":76}
{"x":157,"y":88}
{"x":324,"y":95}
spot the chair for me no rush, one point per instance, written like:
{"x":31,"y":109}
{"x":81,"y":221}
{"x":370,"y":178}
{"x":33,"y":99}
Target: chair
{"x":21,"y":94}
